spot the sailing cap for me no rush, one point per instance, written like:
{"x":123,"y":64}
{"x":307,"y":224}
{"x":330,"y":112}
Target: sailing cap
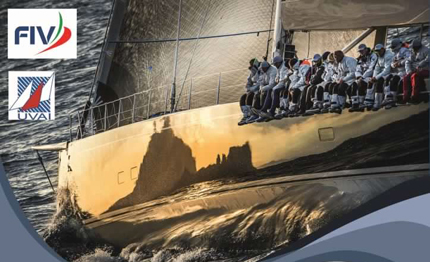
{"x":416,"y":43}
{"x":361,"y":47}
{"x":265,"y":64}
{"x":379,"y":47}
{"x":331,"y":57}
{"x":254,"y":62}
{"x":277,"y":59}
{"x":316,"y":58}
{"x":325,"y":55}
{"x":395,"y":43}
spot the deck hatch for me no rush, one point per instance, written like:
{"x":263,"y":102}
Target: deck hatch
{"x":121,"y":178}
{"x":326,"y":134}
{"x":133,"y":173}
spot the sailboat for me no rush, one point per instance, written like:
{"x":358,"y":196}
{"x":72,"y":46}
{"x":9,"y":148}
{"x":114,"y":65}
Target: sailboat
{"x":149,"y":134}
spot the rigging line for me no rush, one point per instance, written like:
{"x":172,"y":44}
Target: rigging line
{"x":105,"y":40}
{"x":270,"y":26}
{"x":44,"y":169}
{"x":175,"y":65}
{"x":192,"y":56}
{"x":146,"y":41}
{"x":309,"y":44}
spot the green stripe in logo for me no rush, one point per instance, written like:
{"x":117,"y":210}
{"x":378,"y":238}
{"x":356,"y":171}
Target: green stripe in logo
{"x":59,"y":28}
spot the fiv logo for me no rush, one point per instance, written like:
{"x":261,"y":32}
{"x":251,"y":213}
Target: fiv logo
{"x":31,"y":95}
{"x":42,"y":33}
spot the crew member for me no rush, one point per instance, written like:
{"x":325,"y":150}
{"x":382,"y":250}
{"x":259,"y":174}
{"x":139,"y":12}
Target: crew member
{"x":331,"y":78}
{"x":417,"y":69}
{"x":381,"y":72}
{"x":346,"y":67}
{"x":314,"y":94}
{"x":281,"y":78}
{"x":394,"y":83}
{"x":267,"y":82}
{"x":296,"y":88}
{"x":252,"y":87}
{"x":366,"y":63}
{"x":284,"y":97}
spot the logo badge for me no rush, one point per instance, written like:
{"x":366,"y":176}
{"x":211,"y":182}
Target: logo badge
{"x":31,"y":95}
{"x":42,"y":33}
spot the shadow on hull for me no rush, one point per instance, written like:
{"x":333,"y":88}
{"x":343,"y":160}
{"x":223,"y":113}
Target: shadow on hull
{"x":169,"y":164}
{"x":403,"y":142}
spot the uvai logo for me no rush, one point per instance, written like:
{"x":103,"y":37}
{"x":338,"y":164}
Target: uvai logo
{"x":31,"y":95}
{"x":42,"y":33}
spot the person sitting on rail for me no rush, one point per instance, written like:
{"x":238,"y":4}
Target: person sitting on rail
{"x":315,"y":91}
{"x":417,"y":69}
{"x":366,"y":63}
{"x":346,"y":67}
{"x":281,"y":78}
{"x":373,"y":101}
{"x":286,"y":97}
{"x":284,"y":94}
{"x":394,"y":82}
{"x":267,"y":82}
{"x":252,"y":87}
{"x":301,"y":80}
{"x":330,"y":78}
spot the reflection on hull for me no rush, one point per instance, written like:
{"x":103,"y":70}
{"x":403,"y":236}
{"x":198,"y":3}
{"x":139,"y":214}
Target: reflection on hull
{"x":254,"y":216}
{"x":113,"y":173}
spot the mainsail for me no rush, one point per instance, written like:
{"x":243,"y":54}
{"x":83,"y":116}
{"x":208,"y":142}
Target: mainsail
{"x":217,"y":39}
{"x":133,"y":64}
{"x":352,"y":14}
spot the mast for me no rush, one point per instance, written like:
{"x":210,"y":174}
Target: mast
{"x":278,"y":29}
{"x":175,"y":65}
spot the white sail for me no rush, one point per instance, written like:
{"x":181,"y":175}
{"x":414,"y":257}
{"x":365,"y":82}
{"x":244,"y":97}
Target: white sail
{"x":352,"y":14}
{"x":20,"y":102}
{"x":47,"y":89}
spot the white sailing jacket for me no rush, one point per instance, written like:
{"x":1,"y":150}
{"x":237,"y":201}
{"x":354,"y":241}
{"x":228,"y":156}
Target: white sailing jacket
{"x":328,"y":74}
{"x":268,"y":79}
{"x":253,"y":83}
{"x":401,"y":56}
{"x":281,"y":77}
{"x":383,"y":65}
{"x":419,"y":60}
{"x":365,"y":69}
{"x":302,"y":73}
{"x":346,"y":69}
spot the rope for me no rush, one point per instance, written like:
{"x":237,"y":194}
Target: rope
{"x":101,"y":53}
{"x":147,"y":41}
{"x":270,"y":26}
{"x":192,"y":57}
{"x":309,"y":43}
{"x":44,"y":169}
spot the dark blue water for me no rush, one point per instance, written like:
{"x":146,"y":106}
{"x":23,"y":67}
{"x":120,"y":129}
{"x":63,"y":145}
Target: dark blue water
{"x":73,"y":82}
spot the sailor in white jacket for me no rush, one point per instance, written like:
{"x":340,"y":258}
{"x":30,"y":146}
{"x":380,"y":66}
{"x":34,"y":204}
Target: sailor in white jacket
{"x":381,"y":72}
{"x":303,"y":72}
{"x":273,"y":102}
{"x":417,"y":69}
{"x":287,"y":77}
{"x":252,"y":87}
{"x":394,"y":83}
{"x":267,"y":83}
{"x":330,"y":78}
{"x":286,"y":97}
{"x":346,"y":67}
{"x":366,"y":63}
{"x":319,"y":94}
{"x":278,"y":90}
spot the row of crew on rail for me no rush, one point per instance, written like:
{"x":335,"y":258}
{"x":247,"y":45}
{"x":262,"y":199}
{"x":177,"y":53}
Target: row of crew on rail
{"x":331,"y":82}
